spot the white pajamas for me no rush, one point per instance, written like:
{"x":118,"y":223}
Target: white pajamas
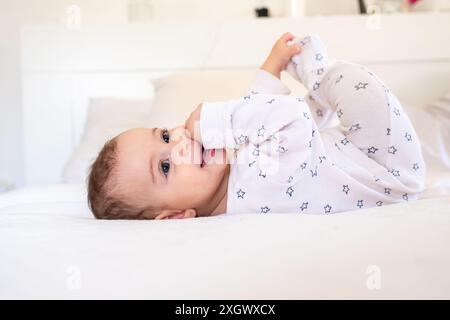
{"x":286,"y":157}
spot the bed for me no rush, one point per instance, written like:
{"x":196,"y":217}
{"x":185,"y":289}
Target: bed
{"x":74,"y":98}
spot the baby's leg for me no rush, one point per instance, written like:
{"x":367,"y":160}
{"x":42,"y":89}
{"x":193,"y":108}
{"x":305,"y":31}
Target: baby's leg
{"x":324,"y":116}
{"x":372,"y":119}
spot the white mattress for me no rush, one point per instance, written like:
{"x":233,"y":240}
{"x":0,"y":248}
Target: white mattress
{"x":51,"y":247}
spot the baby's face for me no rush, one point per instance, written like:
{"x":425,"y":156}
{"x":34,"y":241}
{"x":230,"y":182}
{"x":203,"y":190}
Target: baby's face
{"x":167,"y":169}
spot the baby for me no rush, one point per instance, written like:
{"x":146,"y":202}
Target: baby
{"x":269,"y":152}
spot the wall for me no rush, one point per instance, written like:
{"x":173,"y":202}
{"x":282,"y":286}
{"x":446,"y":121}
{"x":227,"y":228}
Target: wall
{"x":11,"y":138}
{"x":14,"y":14}
{"x":219,"y":9}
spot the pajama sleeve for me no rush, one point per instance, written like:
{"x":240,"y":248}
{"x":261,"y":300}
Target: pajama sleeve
{"x":267,"y":83}
{"x":253,"y":120}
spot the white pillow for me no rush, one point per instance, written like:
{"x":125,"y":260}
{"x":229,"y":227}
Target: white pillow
{"x":433,"y":127}
{"x":177,"y":95}
{"x":106,"y":118}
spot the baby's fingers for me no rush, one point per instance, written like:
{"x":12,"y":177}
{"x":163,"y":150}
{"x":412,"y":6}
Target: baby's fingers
{"x":287,"y":37}
{"x":294,"y":49}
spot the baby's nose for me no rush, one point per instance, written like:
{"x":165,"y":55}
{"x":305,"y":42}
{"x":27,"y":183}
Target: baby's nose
{"x":182,"y":149}
{"x":179,"y":133}
{"x":182,"y":152}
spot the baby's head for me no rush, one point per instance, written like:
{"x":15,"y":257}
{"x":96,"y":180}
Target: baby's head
{"x":154,"y":174}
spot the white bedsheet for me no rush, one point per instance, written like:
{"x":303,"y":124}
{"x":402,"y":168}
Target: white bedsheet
{"x":50,"y":247}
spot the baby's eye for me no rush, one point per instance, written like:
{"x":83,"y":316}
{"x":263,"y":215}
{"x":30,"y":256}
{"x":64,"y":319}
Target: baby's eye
{"x":165,"y":167}
{"x":165,"y":135}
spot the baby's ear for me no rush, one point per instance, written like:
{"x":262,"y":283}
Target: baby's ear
{"x":190,"y":213}
{"x":176,"y":214}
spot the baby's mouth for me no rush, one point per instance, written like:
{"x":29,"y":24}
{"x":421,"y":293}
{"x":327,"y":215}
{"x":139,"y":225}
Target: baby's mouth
{"x":207,"y":156}
{"x":203,"y":157}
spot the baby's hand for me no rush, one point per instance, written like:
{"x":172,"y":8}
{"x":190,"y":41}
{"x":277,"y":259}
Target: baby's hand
{"x":192,"y":124}
{"x":280,"y":55}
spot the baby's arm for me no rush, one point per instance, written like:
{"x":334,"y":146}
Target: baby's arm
{"x":267,"y":79}
{"x":280,"y":55}
{"x":252,"y":119}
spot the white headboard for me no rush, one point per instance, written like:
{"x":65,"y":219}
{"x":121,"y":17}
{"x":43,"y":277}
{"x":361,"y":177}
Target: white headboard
{"x":63,"y":68}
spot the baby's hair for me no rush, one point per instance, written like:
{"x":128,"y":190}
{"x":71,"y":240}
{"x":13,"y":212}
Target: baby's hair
{"x":101,"y":186}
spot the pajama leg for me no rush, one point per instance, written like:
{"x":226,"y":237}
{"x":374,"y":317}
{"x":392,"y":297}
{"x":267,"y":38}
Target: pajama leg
{"x":372,"y":119}
{"x":370,"y":116}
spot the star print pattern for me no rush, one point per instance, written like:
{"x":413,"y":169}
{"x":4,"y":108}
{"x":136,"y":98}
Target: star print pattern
{"x":265,"y":209}
{"x":281,"y":149}
{"x":305,"y":41}
{"x":261,"y":131}
{"x":339,"y":79}
{"x":337,"y":146}
{"x":345,"y":188}
{"x":303,"y":181}
{"x":241,"y":194}
{"x":290,"y":191}
{"x":304,"y":206}
{"x":392,"y":150}
{"x":408,"y":137}
{"x":372,"y":150}
{"x":395,"y":173}
{"x":242,"y":139}
{"x":355,"y":127}
{"x":345,"y":141}
{"x":361,"y":85}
